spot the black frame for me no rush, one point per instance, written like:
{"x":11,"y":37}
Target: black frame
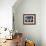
{"x":29,"y":16}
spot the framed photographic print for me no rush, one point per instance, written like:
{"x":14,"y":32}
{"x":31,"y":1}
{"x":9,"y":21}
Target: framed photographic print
{"x":29,"y":19}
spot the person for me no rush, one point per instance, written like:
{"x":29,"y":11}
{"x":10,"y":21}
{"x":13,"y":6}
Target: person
{"x":18,"y":40}
{"x":29,"y":43}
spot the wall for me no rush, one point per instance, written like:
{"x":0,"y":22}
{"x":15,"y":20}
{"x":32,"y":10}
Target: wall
{"x":32,"y":32}
{"x":6,"y":19}
{"x":6,"y":13}
{"x":43,"y":22}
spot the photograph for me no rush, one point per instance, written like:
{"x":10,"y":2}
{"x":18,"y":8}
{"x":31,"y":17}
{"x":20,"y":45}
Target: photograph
{"x":29,"y":19}
{"x":22,"y":22}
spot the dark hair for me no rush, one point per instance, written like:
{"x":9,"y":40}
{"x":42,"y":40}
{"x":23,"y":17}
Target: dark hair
{"x":5,"y":29}
{"x":34,"y":44}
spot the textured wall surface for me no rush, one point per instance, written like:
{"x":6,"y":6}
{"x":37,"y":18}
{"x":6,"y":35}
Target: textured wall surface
{"x":32,"y":32}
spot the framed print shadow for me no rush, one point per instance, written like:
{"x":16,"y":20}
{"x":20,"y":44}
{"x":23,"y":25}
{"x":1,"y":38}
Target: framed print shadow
{"x":29,"y":19}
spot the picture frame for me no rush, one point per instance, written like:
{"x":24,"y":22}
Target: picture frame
{"x":29,"y":19}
